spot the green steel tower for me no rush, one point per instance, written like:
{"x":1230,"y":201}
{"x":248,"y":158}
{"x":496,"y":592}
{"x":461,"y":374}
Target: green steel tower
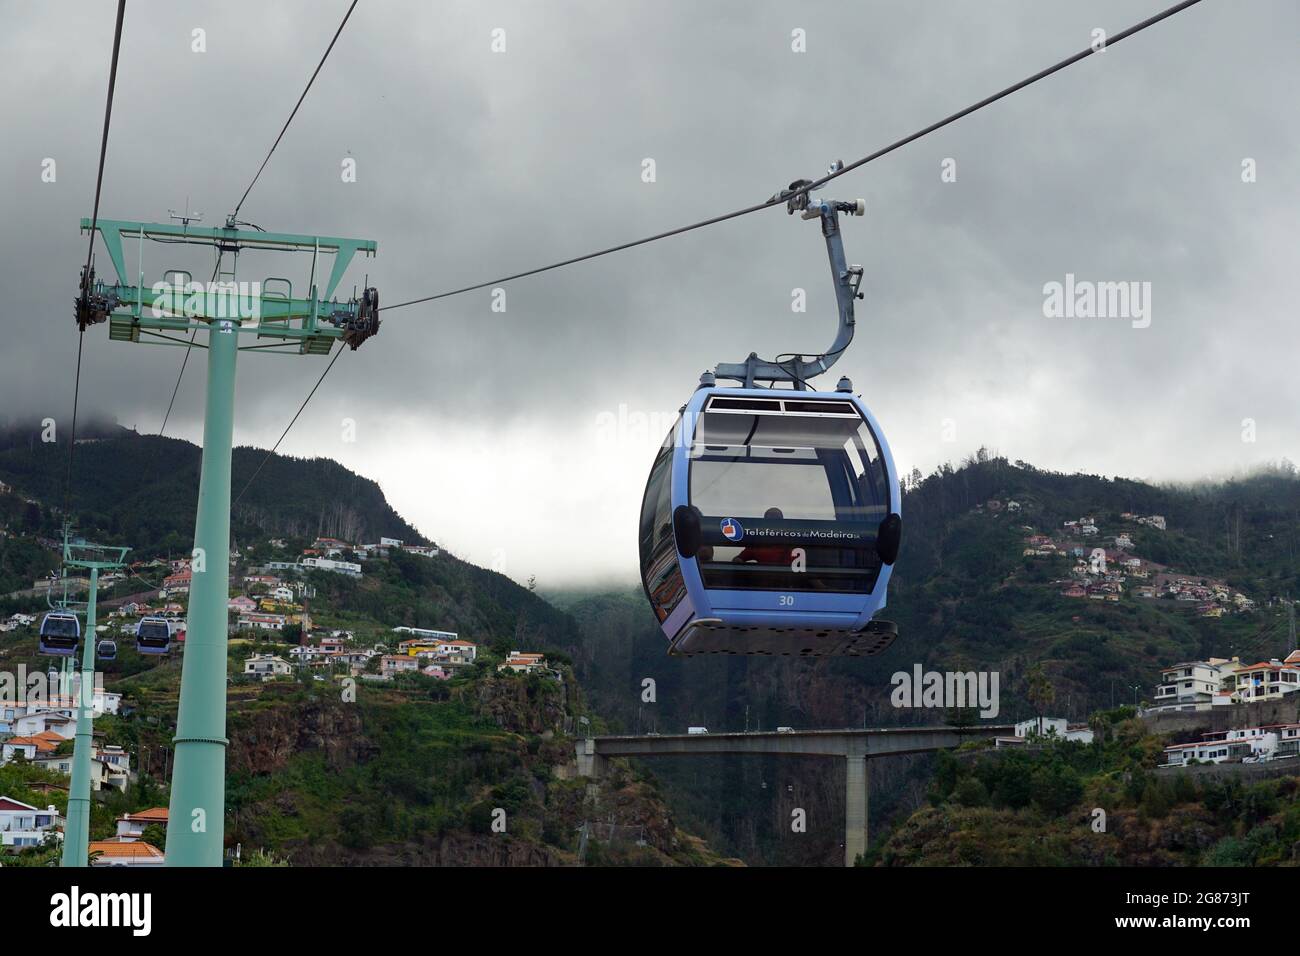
{"x":76,"y":830}
{"x":220,"y":315}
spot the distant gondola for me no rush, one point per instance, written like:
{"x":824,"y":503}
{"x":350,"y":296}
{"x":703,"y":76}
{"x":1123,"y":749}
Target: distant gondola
{"x":106,"y":650}
{"x":60,"y":633}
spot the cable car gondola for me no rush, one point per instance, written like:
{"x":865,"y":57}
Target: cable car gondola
{"x":770,"y":522}
{"x":60,"y":633}
{"x":106,"y":650}
{"x":770,"y":525}
{"x":153,"y":635}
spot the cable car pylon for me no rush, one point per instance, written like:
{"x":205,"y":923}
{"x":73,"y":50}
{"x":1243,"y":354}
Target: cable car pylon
{"x":78,"y":553}
{"x":280,"y":322}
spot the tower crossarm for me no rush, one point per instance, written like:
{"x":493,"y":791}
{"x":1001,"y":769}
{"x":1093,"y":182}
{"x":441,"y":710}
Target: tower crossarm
{"x":140,"y":310}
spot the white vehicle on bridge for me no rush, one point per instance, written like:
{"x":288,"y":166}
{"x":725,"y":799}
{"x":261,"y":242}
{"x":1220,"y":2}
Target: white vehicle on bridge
{"x":785,"y":730}
{"x":697,"y":730}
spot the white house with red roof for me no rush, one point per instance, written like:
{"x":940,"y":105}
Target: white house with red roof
{"x":29,"y":747}
{"x":23,"y":825}
{"x":178,"y":583}
{"x":131,"y":826}
{"x":391,"y":664}
{"x":1267,"y":680}
{"x":522,"y":662}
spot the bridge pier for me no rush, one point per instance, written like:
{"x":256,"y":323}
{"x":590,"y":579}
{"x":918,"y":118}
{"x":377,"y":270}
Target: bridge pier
{"x":855,"y":807}
{"x":590,"y":763}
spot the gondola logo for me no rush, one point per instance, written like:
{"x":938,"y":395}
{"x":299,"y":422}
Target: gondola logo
{"x":731,"y":529}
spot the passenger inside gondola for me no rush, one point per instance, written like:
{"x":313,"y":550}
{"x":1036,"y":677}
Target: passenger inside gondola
{"x":772,"y":554}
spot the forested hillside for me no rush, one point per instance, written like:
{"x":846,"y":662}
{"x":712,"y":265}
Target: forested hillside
{"x":968,"y":593}
{"x":965,"y":597}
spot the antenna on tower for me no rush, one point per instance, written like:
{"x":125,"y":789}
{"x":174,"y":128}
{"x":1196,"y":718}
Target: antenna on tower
{"x":186,"y":217}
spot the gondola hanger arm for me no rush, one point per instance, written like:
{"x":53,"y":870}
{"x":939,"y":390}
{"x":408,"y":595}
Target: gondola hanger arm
{"x":798,"y":369}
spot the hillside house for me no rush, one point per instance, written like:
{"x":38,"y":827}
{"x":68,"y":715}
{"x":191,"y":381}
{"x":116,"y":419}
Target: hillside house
{"x":1041,"y":728}
{"x":423,"y":551}
{"x":132,"y":825}
{"x":57,"y":722}
{"x":349,"y":568}
{"x":455,"y":652}
{"x":357,"y":657}
{"x":1246,"y":744}
{"x":100,"y":773}
{"x":521,"y":662}
{"x":393,"y":664}
{"x":178,"y":583}
{"x":29,"y":747}
{"x":22,"y":825}
{"x":425,"y":634}
{"x":267,"y":666}
{"x":241,"y":604}
{"x":325,"y":652}
{"x":261,"y":622}
{"x":1195,"y":685}
{"x":1267,"y":680}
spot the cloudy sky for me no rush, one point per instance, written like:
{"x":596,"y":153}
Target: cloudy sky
{"x":522,"y":439}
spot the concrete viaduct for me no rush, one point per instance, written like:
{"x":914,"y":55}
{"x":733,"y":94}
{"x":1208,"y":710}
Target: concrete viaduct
{"x":855,"y":747}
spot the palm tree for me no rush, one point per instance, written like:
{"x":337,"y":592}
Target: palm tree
{"x":1040,"y":693}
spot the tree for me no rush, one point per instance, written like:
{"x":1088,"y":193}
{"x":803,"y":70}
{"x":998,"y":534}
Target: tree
{"x":155,"y":835}
{"x":1041,"y":693}
{"x":1056,"y":788}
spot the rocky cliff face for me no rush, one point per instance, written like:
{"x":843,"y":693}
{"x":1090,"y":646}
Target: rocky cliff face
{"x":263,"y":739}
{"x":401,"y":780}
{"x":533,"y":705}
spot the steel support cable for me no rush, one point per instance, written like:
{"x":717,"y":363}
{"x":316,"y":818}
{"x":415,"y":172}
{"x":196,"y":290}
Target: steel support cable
{"x":90,"y":246}
{"x":780,"y":200}
{"x":775,"y":200}
{"x":276,"y":446}
{"x":257,"y":175}
{"x":185,"y":360}
{"x":295,"y":109}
